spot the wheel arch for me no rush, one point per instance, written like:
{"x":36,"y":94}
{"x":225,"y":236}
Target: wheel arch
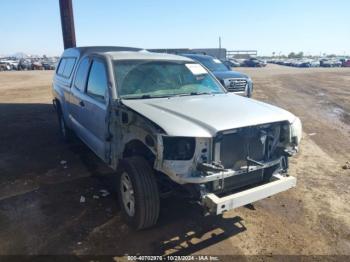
{"x":57,"y":105}
{"x":136,"y":147}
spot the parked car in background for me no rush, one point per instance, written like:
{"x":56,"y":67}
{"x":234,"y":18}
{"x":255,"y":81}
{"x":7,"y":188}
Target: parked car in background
{"x":254,"y":62}
{"x":4,"y":66}
{"x":25,"y":64}
{"x":167,"y":127}
{"x":346,"y":63}
{"x":28,"y":63}
{"x":315,"y":63}
{"x":330,"y":63}
{"x":37,"y":66}
{"x":10,"y":64}
{"x":233,"y":81}
{"x":48,"y":66}
{"x":305,"y":63}
{"x":337,"y":63}
{"x":231,"y":63}
{"x":325,"y":63}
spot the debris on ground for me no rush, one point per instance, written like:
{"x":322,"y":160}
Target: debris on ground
{"x":347,"y":165}
{"x":64,"y":164}
{"x":82,"y":199}
{"x":104,"y":192}
{"x":95,"y":197}
{"x":312,"y":134}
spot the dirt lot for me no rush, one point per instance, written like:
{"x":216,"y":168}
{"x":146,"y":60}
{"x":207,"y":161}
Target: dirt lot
{"x":41,"y":213}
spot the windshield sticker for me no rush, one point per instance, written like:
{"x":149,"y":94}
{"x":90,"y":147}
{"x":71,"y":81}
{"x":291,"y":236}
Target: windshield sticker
{"x":196,"y":69}
{"x":217,"y":61}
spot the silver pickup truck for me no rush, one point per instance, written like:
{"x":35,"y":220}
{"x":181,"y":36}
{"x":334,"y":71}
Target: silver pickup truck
{"x":167,"y":126}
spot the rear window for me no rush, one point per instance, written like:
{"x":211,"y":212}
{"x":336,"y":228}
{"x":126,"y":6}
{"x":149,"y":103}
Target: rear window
{"x":61,"y":66}
{"x":66,"y":66}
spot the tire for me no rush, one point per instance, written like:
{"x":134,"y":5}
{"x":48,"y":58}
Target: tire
{"x":249,"y":93}
{"x":65,"y":132}
{"x":140,"y":203}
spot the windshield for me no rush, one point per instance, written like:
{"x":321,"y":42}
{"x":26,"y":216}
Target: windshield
{"x":213,"y":64}
{"x":149,"y":79}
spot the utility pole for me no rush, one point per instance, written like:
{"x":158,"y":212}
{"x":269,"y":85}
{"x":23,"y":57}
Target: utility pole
{"x":220,"y":47}
{"x":67,"y":22}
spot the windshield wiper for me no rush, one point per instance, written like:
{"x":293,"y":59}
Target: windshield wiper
{"x":145,"y":97}
{"x":197,"y":93}
{"x":201,"y":93}
{"x":172,"y":95}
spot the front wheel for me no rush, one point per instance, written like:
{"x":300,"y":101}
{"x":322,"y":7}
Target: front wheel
{"x":249,"y":92}
{"x":138,"y":193}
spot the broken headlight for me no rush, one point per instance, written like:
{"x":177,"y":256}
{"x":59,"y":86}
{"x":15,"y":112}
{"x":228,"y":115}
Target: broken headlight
{"x":296,"y":131}
{"x":178,"y":148}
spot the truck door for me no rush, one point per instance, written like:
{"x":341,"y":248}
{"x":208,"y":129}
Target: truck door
{"x":76,"y":104}
{"x":93,"y":108}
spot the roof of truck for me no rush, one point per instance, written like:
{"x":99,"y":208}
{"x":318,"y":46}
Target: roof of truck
{"x":145,"y":55}
{"x":197,"y":55}
{"x":122,"y":53}
{"x":76,"y":51}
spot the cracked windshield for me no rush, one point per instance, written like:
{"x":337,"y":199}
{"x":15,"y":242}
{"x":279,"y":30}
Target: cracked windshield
{"x":153,"y":79}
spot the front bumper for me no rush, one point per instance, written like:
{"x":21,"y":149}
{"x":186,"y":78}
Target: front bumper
{"x":218,"y":205}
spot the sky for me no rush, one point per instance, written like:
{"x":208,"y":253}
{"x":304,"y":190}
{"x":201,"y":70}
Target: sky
{"x":312,"y":26}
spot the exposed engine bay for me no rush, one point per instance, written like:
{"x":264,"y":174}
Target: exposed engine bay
{"x":255,"y":153}
{"x":233,"y":159}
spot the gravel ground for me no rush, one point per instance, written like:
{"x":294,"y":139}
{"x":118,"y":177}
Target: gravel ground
{"x":43,"y":180}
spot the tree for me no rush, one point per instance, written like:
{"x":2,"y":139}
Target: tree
{"x":294,"y":55}
{"x":291,"y":55}
{"x":300,"y":55}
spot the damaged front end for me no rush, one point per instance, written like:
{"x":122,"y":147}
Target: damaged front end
{"x":231,"y":161}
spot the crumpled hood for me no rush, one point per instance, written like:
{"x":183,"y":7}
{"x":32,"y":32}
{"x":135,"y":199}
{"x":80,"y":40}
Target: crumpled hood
{"x":205,"y":115}
{"x":229,"y":74}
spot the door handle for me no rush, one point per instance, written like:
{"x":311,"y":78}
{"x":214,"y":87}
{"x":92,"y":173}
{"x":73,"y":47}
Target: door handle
{"x":81,"y":103}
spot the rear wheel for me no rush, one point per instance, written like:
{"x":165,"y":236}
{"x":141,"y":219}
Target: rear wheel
{"x":138,"y":193}
{"x":65,"y":132}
